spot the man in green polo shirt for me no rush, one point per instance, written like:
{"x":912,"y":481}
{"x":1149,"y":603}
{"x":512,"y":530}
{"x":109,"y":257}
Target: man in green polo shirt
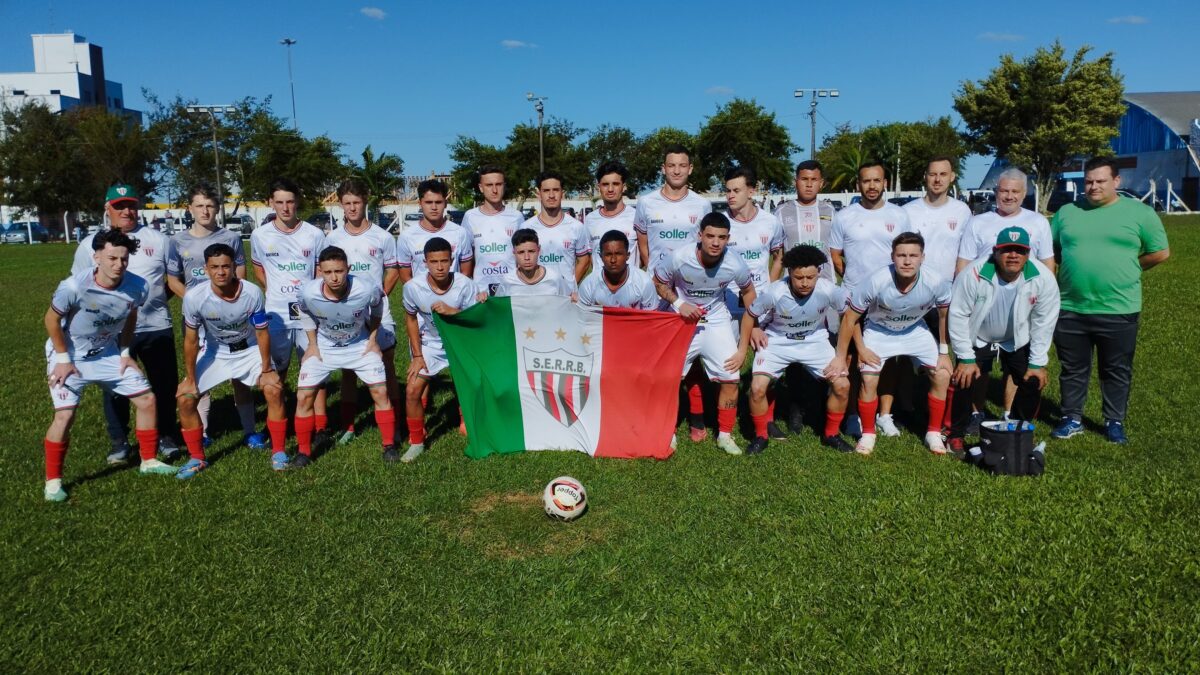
{"x":1102,"y":246}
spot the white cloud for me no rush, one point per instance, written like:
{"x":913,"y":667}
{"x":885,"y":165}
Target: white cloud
{"x":719,"y":90}
{"x":1132,"y":19}
{"x":517,"y":44}
{"x":1000,"y":37}
{"x":373,"y":13}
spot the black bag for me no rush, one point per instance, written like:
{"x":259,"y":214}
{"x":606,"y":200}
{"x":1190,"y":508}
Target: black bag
{"x":1006,"y":448}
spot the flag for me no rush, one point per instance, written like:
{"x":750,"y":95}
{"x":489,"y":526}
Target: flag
{"x":542,"y":373}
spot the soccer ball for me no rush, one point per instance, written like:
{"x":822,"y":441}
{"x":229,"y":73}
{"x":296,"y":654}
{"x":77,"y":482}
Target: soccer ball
{"x":564,"y":498}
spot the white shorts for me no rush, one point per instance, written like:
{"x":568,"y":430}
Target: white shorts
{"x":368,"y":367}
{"x":284,"y":339}
{"x":780,"y":352}
{"x":435,"y":359}
{"x":103,"y":370}
{"x":215,"y":366}
{"x":713,"y":343}
{"x":917,"y":343}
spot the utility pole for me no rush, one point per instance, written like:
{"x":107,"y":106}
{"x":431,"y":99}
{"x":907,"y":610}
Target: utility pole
{"x":812,"y":113}
{"x":897,"y":167}
{"x":540,"y":106}
{"x":212,"y":111}
{"x":288,"y":42}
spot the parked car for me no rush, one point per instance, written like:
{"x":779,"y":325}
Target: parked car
{"x":18,"y":233}
{"x":386,"y":220}
{"x":323,"y":220}
{"x":719,"y":206}
{"x":242,"y":223}
{"x":836,"y":204}
{"x":901,"y":201}
{"x":411,"y":219}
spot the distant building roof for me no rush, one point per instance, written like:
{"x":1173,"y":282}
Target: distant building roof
{"x":1176,"y":109}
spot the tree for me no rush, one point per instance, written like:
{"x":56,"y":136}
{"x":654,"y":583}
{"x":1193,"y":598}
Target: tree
{"x":38,"y":163}
{"x":520,"y":158}
{"x":913,"y":143}
{"x":113,"y":148}
{"x":383,"y":175}
{"x":647,"y":163}
{"x":469,"y":155}
{"x":610,"y":143}
{"x":743,"y":133}
{"x":1043,"y":111}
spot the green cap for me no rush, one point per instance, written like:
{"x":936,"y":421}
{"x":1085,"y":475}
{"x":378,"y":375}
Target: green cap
{"x":1013,"y":237}
{"x":120,"y":193}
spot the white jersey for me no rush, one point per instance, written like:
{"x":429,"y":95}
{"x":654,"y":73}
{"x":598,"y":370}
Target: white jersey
{"x":755,"y":240}
{"x":94,"y":316}
{"x":340,"y":323}
{"x":420,"y":297}
{"x":228,"y":324}
{"x":781,"y":313}
{"x":492,"y":237}
{"x":369,"y":253}
{"x":622,"y":221}
{"x":561,"y":244}
{"x":410,"y":248}
{"x":154,"y":260}
{"x":888,"y":310}
{"x":637,"y":292}
{"x":552,"y":283}
{"x":190,"y":249}
{"x":703,"y":286}
{"x":809,"y":225}
{"x":289,"y":260}
{"x":980,"y":237}
{"x":668,"y":224}
{"x":864,"y":236}
{"x":942,"y":227}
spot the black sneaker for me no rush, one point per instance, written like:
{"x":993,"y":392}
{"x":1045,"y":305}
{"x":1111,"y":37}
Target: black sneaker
{"x":837,"y":443}
{"x":121,"y":454}
{"x":774,"y":432}
{"x":169,"y":449}
{"x":757,"y":446}
{"x":391,"y":454}
{"x":322,"y":440}
{"x":795,"y":421}
{"x":299,"y":461}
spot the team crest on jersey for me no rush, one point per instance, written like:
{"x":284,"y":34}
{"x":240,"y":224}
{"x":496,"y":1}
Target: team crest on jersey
{"x":148,"y":250}
{"x":953,"y":224}
{"x":509,"y":231}
{"x":693,"y":219}
{"x":764,"y":239}
{"x":890,"y":226}
{"x":374,"y":252}
{"x":561,"y":382}
{"x":306,"y":252}
{"x":809,"y":226}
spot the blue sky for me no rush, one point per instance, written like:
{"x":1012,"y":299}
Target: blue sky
{"x":407,"y":77}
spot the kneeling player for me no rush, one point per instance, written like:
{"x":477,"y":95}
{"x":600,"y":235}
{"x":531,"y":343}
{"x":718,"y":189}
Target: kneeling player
{"x":341,"y":315}
{"x":792,"y":315}
{"x":617,"y":284}
{"x":895,"y":300}
{"x":693,"y":280}
{"x":90,"y":323}
{"x":531,"y":277}
{"x":237,"y":349}
{"x":437,"y":291}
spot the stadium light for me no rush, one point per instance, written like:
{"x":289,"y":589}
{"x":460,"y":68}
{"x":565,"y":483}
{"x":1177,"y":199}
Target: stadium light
{"x":812,"y":112}
{"x":540,"y":106}
{"x":213,"y":111}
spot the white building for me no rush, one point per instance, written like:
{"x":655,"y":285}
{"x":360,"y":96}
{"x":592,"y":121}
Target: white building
{"x":68,"y":71}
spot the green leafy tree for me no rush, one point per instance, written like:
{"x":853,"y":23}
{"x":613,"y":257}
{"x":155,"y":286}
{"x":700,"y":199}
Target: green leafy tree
{"x":1041,"y":112}
{"x":912,"y":143}
{"x":272,"y":148}
{"x":38,"y":165}
{"x":468,"y":154}
{"x":520,"y":158}
{"x":647,"y":162}
{"x":113,"y":148}
{"x":610,"y":143}
{"x":383,"y":174}
{"x":743,"y":133}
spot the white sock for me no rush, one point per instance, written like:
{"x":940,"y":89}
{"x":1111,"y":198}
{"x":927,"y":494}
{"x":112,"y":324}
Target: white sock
{"x":246,"y":415}
{"x":723,"y":435}
{"x":202,"y":407}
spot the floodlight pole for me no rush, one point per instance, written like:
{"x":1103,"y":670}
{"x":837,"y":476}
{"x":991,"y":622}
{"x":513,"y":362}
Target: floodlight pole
{"x":540,"y":106}
{"x":212,"y":111}
{"x":812,"y":113}
{"x":288,"y":42}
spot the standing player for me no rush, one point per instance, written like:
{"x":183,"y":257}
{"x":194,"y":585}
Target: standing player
{"x":437,"y":291}
{"x":755,"y":233}
{"x":617,"y":283}
{"x":91,"y":324}
{"x":793,"y":314}
{"x":371,"y":252}
{"x":530,"y":277}
{"x":410,"y":247}
{"x":341,"y":315}
{"x":894,"y":301}
{"x":566,"y":246}
{"x":612,"y":213}
{"x":666,"y":219}
{"x":491,"y":226}
{"x":232,"y":317}
{"x":938,"y":218}
{"x":693,"y":281}
{"x":155,"y":261}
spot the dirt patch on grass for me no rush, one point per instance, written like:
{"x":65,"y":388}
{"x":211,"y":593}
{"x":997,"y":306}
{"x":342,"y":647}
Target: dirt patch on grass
{"x":513,"y":526}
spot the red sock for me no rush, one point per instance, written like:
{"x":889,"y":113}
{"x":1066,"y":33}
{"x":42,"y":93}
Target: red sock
{"x":304,"y":433}
{"x":386,"y":419}
{"x":278,"y":430}
{"x":55,"y":453}
{"x":725,"y":419}
{"x":937,"y":410}
{"x":833,"y":423}
{"x":147,"y":443}
{"x":194,"y":440}
{"x":320,"y":422}
{"x":760,"y":423}
{"x":770,"y":407}
{"x":416,"y":430}
{"x":866,"y":411}
{"x":695,"y":398}
{"x":348,"y":410}
{"x":946,"y":419}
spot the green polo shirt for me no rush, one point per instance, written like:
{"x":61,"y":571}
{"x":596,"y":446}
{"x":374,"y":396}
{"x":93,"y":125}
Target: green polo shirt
{"x":1099,"y":247}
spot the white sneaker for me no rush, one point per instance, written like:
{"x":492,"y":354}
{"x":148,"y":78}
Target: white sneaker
{"x":866,"y":444}
{"x":933,"y":439}
{"x":726,"y":443}
{"x":414,"y":451}
{"x":673,"y":442}
{"x":54,"y":491}
{"x":886,"y":425}
{"x":853,"y":426}
{"x":154,"y":466}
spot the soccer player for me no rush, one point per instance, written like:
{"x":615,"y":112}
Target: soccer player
{"x":666,"y":219}
{"x":232,"y":317}
{"x":755,"y":233}
{"x":1006,"y":306}
{"x":91,"y":323}
{"x":940,"y":219}
{"x":617,"y":283}
{"x":530,"y":277}
{"x":491,"y":226}
{"x":894,"y":301}
{"x":612,"y":213}
{"x":373,"y":259}
{"x":792,"y":317}
{"x":154,"y":260}
{"x":341,"y":314}
{"x":410,"y":247}
{"x":693,"y":281}
{"x":566,"y":246}
{"x":437,"y":291}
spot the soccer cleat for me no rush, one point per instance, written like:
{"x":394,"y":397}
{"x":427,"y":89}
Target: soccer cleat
{"x":726,"y":443}
{"x":279,"y":461}
{"x":756,"y":446}
{"x":414,"y":451}
{"x":698,"y":433}
{"x":193,"y":467}
{"x":837,"y":443}
{"x":54,"y":491}
{"x":795,"y":421}
{"x":391,"y":454}
{"x":933,"y":439}
{"x":299,"y":461}
{"x":853,"y":426}
{"x":1115,"y":432}
{"x":169,"y":449}
{"x":345,"y":438}
{"x":205,"y":441}
{"x":256,"y":441}
{"x":322,"y":439}
{"x":1067,"y":428}
{"x":121,"y":454}
{"x":973,"y":426}
{"x":956,"y":447}
{"x":886,"y":425}
{"x":866,"y":444}
{"x":774,"y":432}
{"x":155,"y":467}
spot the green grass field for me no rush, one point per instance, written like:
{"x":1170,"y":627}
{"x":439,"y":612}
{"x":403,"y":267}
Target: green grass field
{"x":800,"y":559}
